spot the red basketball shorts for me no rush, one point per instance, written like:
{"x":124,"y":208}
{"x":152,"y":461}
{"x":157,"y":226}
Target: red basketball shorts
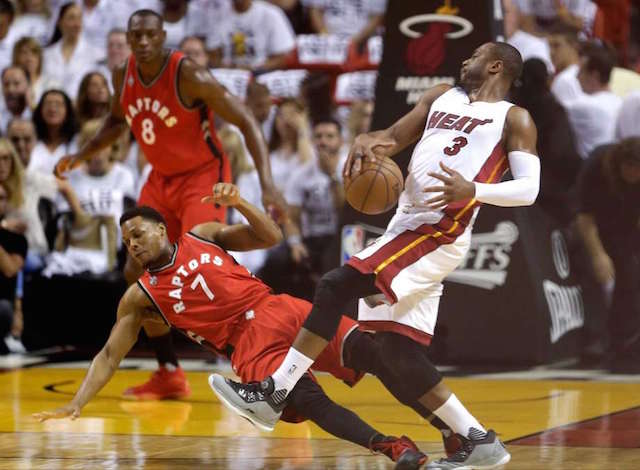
{"x":177,"y":197}
{"x":270,"y":331}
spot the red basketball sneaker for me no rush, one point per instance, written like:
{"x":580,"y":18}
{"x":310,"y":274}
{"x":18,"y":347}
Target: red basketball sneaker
{"x":452,"y":443}
{"x":401,"y":450}
{"x":164,"y":384}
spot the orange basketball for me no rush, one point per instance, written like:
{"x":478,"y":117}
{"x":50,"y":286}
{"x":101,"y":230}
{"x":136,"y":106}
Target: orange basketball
{"x":376,"y":188}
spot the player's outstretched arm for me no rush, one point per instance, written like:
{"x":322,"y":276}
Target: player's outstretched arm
{"x":394,"y":139}
{"x":112,"y":128}
{"x":262,"y":231}
{"x":123,"y":336}
{"x":197,"y":85}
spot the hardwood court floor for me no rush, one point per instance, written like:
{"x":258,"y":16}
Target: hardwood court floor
{"x":549,"y":424}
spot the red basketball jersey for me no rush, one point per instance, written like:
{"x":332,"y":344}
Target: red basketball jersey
{"x":174,"y":138}
{"x":203,"y":292}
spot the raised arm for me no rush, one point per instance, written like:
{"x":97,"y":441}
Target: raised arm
{"x":394,"y":139}
{"x":112,"y":128}
{"x":197,"y":85}
{"x":131,"y":311}
{"x":262,"y":231}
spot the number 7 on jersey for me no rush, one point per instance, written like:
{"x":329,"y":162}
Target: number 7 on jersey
{"x":199,"y":281}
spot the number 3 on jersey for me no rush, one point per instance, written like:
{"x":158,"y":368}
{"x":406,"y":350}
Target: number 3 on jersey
{"x":458,"y":143}
{"x":148,"y":136}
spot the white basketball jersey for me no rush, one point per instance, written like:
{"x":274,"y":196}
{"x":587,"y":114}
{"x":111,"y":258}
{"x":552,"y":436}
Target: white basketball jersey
{"x":465,"y":136}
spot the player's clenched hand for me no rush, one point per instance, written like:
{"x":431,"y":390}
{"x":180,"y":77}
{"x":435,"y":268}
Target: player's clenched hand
{"x":365,"y":148}
{"x":66,"y":164}
{"x":70,"y":411}
{"x":225,"y":194}
{"x":454,"y":188}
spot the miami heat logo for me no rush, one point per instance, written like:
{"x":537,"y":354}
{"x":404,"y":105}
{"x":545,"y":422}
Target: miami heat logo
{"x":426,"y":51}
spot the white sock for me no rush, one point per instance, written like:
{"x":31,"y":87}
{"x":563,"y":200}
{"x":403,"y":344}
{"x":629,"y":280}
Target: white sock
{"x":457,"y":417}
{"x":293,"y":367}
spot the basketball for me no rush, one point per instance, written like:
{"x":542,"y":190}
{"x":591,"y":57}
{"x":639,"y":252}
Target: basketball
{"x":376,"y":188}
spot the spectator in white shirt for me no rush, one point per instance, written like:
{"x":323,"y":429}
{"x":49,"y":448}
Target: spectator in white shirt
{"x":69,"y":56}
{"x":103,"y":186}
{"x":539,"y":15}
{"x":7,"y":39}
{"x":529,"y":45}
{"x":181,"y":19}
{"x":565,"y":55}
{"x":195,"y":49}
{"x":256,"y":36}
{"x":98,"y":18}
{"x":315,"y":196}
{"x":629,"y":117}
{"x":27,"y":53}
{"x":15,"y":95}
{"x":56,"y":127}
{"x":118,"y":51}
{"x":94,"y":98}
{"x":356,"y":19}
{"x":593,"y":116}
{"x":22,"y":134}
{"x":33,"y":21}
{"x":27,"y":188}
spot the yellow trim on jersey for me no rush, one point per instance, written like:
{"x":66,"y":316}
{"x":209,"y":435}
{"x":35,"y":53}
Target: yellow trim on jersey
{"x":422,"y":238}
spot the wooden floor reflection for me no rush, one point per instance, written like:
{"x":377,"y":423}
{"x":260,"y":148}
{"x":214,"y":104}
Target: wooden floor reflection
{"x":550,"y":424}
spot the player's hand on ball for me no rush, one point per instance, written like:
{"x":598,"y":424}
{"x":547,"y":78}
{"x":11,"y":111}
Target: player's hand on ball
{"x":68,"y":411}
{"x":225,"y":194}
{"x":365,"y":148}
{"x":454,"y":188}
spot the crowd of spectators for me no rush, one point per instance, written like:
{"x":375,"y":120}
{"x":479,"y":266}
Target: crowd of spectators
{"x":282,"y":58}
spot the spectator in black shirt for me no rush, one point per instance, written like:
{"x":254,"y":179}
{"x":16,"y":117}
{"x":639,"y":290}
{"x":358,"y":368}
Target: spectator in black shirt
{"x":608,"y":223}
{"x":13,"y":249}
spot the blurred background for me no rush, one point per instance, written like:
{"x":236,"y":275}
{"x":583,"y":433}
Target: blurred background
{"x":559,"y":281}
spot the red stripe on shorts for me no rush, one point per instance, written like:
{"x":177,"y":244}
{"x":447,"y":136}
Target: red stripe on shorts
{"x":395,"y":327}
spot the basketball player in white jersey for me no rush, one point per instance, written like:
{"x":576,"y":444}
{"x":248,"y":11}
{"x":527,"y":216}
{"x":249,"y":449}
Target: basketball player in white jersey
{"x":468,"y":137}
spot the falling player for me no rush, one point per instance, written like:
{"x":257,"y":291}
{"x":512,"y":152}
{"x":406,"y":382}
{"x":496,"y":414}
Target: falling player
{"x":198,"y":288}
{"x":167,"y":101}
{"x":469,"y":136}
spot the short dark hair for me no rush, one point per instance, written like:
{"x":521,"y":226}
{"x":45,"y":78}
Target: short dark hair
{"x":599,"y":58}
{"x":117,"y":30}
{"x":7,"y":8}
{"x":17,"y":67}
{"x":327,"y":120}
{"x":146,"y":212}
{"x":510,"y":57}
{"x":146,"y":12}
{"x":69,"y":126}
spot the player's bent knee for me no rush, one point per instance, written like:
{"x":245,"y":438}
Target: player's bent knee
{"x":155,"y":328}
{"x":409,"y":360}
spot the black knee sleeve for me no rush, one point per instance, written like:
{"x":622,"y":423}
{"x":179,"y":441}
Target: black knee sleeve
{"x":310,"y":401}
{"x":409,"y":362}
{"x":333,"y":292}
